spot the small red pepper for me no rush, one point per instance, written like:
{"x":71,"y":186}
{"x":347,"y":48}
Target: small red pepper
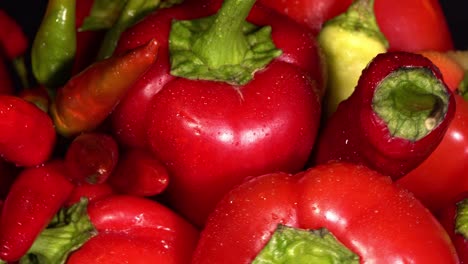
{"x":89,"y":97}
{"x":91,"y":158}
{"x":13,"y":40}
{"x":27,"y":137}
{"x":333,"y":213}
{"x":34,"y":198}
{"x":395,"y":118}
{"x":139,"y":173}
{"x":118,"y":229}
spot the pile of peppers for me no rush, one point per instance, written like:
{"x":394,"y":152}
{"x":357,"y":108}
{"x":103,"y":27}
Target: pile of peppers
{"x":233,"y":131}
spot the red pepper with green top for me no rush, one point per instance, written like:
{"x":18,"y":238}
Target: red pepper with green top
{"x":394,"y":119}
{"x":244,"y":101}
{"x":117,"y":229}
{"x":35,"y":197}
{"x":332,"y":213}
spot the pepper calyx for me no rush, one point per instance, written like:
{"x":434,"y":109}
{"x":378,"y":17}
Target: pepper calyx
{"x":412,"y":102}
{"x":68,"y":231}
{"x":461,"y":218}
{"x":294,"y":245}
{"x":223,"y":47}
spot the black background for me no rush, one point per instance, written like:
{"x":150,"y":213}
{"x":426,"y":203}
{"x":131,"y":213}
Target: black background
{"x":29,"y":14}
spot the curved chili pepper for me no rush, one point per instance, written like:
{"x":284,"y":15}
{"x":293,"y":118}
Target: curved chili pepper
{"x":88,"y":98}
{"x":397,"y":115}
{"x":34,"y":198}
{"x":117,"y":229}
{"x":91,"y":158}
{"x":54,"y":45}
{"x":349,"y":213}
{"x":27,"y":137}
{"x":8,"y":174}
{"x":139,"y":173}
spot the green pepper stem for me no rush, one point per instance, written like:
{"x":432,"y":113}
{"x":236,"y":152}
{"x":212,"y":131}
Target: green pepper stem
{"x":224,"y":42}
{"x":293,"y":245}
{"x":69,"y":230}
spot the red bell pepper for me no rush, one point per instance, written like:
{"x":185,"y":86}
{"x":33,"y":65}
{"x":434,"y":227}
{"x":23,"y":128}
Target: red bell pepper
{"x":349,"y":213}
{"x":212,"y":133}
{"x":409,"y":25}
{"x":397,"y":115}
{"x":117,"y":229}
{"x":27,"y":137}
{"x":453,"y":217}
{"x":89,"y":97}
{"x":34,"y":198}
{"x":91,"y":158}
{"x":139,"y":173}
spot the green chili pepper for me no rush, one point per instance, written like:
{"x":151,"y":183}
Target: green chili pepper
{"x":54,"y":45}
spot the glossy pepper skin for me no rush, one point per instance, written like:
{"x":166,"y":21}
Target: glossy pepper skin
{"x":118,"y":229}
{"x":54,"y":46}
{"x":27,"y":137}
{"x":393,"y":120}
{"x":195,"y":126}
{"x":35,"y":197}
{"x":370,"y":216}
{"x":442,"y":176}
{"x":13,"y":41}
{"x":89,"y":97}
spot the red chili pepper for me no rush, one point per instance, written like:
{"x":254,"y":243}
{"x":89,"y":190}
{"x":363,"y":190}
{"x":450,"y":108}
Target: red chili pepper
{"x":88,"y":98}
{"x":139,"y":173}
{"x":92,"y":192}
{"x":212,"y":133}
{"x":27,"y":137}
{"x":34,"y":198}
{"x":397,"y":115}
{"x":118,"y":229}
{"x":354,"y":212}
{"x":453,"y":218}
{"x":91,"y":158}
{"x":13,"y":41}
